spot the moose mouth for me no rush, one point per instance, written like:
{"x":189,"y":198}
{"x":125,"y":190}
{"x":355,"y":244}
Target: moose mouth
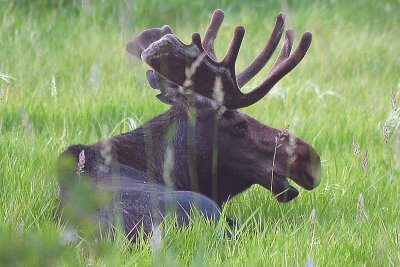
{"x":283,"y":191}
{"x":280,"y":188}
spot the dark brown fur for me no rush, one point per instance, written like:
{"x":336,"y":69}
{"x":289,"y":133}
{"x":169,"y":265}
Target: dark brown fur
{"x":217,"y":151}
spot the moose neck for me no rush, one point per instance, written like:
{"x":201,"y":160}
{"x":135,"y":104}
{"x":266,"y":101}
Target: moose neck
{"x":145,"y":148}
{"x":189,"y":164}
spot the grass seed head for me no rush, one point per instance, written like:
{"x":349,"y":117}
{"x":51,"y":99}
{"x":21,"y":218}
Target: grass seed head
{"x":105,"y":153}
{"x":386,"y":135}
{"x":362,"y":215}
{"x":393,"y":100}
{"x":356,"y":147}
{"x":283,"y":133}
{"x":313,"y":219}
{"x":81,"y":163}
{"x":285,"y":130}
{"x":365,"y":161}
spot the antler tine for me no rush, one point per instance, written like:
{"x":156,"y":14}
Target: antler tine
{"x":265,"y":54}
{"x":293,"y":60}
{"x":211,"y":33}
{"x":196,"y":39}
{"x":233,"y":51}
{"x":278,"y":73}
{"x":286,"y":48}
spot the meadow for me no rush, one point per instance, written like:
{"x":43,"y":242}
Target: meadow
{"x":66,"y":78}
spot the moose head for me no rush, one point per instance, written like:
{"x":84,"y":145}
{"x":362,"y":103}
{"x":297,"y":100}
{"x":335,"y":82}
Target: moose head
{"x":224,"y":150}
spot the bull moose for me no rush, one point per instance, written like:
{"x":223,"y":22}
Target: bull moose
{"x":202,"y":151}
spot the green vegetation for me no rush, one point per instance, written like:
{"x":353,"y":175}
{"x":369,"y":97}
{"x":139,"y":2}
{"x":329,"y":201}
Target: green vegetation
{"x":65,"y":78}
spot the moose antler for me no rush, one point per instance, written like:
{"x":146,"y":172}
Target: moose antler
{"x":171,"y":52}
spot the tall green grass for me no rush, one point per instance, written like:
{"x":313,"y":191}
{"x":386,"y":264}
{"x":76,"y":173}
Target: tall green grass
{"x":338,"y":94}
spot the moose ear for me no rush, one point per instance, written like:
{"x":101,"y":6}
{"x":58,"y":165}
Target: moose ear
{"x":141,"y":42}
{"x":137,"y":45}
{"x":151,"y":78}
{"x":169,"y":90}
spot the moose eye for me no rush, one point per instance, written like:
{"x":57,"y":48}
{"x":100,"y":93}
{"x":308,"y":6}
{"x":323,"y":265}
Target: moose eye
{"x":240,"y":128}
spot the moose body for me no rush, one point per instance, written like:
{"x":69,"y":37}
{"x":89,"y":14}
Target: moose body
{"x":202,"y":151}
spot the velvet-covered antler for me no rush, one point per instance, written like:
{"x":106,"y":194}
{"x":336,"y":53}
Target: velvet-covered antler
{"x":170,"y":57}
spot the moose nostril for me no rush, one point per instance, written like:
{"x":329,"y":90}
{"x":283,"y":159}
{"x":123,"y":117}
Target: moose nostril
{"x":312,"y":176}
{"x":313,"y":172}
{"x":317,"y":173}
{"x":316,"y":168}
{"x":306,"y":169}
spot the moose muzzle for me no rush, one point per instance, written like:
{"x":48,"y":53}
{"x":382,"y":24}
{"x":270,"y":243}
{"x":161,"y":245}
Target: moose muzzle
{"x":303,"y":166}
